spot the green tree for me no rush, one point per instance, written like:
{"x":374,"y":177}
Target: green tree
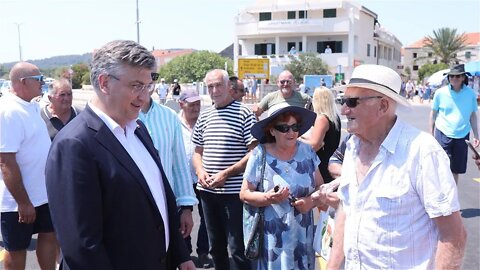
{"x":306,"y":64}
{"x":408,"y":72}
{"x":428,"y":69}
{"x":80,"y":71}
{"x":193,"y":67}
{"x":446,"y":44}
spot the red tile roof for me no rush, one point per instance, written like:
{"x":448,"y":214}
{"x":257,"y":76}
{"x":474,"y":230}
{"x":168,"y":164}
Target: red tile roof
{"x":472,"y":39}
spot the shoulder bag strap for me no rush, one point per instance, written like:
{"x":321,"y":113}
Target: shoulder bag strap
{"x":262,"y":173}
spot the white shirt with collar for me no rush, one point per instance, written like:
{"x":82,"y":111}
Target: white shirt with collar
{"x":389,"y":215}
{"x":144,"y":161}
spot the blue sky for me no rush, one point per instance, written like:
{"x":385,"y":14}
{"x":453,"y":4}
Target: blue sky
{"x":59,"y":27}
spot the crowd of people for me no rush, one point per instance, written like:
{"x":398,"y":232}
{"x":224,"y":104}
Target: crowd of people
{"x":113,"y":185}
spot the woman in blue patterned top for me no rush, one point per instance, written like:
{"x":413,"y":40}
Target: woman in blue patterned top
{"x":291,"y":175}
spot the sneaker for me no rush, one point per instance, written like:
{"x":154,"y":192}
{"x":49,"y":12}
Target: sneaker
{"x":205,"y":261}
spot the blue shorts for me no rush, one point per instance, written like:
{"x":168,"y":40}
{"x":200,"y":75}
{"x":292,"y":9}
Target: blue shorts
{"x":17,"y":236}
{"x":457,"y":151}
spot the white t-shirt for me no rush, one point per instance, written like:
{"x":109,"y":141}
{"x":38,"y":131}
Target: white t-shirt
{"x":23,"y":131}
{"x":162,"y":90}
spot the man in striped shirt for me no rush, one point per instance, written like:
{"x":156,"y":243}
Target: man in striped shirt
{"x":223,"y":140}
{"x":166,"y":131}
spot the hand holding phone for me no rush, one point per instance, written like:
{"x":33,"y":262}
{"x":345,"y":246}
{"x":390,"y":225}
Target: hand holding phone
{"x":477,"y":155}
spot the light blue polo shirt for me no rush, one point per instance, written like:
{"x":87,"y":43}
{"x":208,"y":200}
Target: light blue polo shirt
{"x":454,"y":110}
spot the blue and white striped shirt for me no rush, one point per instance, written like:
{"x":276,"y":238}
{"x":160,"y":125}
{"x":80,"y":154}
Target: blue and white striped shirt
{"x":224,"y":134}
{"x":166,"y":132}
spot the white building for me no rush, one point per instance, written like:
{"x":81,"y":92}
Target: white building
{"x":270,"y":28}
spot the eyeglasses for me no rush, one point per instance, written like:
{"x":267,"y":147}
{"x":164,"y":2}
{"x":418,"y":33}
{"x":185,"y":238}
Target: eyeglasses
{"x":352,"y":102}
{"x":456,"y":76}
{"x":138,"y":88}
{"x":285,"y":128}
{"x":38,"y":78}
{"x":288,"y":82}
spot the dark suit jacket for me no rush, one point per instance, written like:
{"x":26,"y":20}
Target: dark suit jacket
{"x":102,"y":209}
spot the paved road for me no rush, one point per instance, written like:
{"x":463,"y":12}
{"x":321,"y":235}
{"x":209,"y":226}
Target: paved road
{"x":417,"y":115}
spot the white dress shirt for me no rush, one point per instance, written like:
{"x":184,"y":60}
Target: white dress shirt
{"x":389,"y":215}
{"x":142,"y":159}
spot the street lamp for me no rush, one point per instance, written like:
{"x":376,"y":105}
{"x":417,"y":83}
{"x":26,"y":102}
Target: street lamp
{"x":138,"y":25}
{"x":19,"y":41}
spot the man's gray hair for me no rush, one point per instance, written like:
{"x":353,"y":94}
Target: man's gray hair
{"x":57,"y":84}
{"x":112,"y":56}
{"x":224,"y":75}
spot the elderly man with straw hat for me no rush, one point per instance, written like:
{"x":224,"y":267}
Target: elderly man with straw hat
{"x":399,"y":206}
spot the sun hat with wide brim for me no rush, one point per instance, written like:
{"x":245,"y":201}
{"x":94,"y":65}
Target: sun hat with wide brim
{"x":307,"y":118}
{"x":378,"y":78}
{"x":457,"y":70}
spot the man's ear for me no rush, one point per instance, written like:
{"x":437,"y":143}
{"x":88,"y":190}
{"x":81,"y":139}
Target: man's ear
{"x":384,"y":105}
{"x":104,"y":83}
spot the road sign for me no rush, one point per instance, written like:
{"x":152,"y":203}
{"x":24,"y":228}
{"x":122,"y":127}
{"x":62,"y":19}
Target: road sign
{"x":260,"y":68}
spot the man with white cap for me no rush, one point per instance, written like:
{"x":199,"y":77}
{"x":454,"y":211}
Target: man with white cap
{"x":400,"y":206}
{"x":162,"y":91}
{"x":190,"y":103}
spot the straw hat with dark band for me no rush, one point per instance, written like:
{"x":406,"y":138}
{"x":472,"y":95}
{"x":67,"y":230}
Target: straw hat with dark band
{"x":378,"y":78}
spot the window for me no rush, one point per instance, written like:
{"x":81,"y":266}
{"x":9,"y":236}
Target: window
{"x":430,"y":54}
{"x":265,"y":49}
{"x":302,"y":14}
{"x":336,"y":46}
{"x":375,"y":51}
{"x":368,"y":49}
{"x":330,"y":13}
{"x":290,"y":45}
{"x":415,"y":67}
{"x":300,"y":46}
{"x":414,"y":55}
{"x":468,"y":54}
{"x":265,"y":16}
{"x":291,"y":15}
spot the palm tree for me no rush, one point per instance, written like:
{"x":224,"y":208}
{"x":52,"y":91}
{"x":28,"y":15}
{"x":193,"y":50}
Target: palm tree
{"x":445,"y":44}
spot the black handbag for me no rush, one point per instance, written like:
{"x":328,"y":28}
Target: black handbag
{"x":255,"y":233}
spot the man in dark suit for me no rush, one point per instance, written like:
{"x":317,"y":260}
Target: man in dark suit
{"x":111,"y":204}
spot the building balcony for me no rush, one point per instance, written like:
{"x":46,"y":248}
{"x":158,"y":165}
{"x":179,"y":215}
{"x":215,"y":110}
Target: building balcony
{"x":314,"y":26}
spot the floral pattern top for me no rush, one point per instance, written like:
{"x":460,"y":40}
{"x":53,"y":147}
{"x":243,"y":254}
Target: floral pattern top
{"x":288,"y":234}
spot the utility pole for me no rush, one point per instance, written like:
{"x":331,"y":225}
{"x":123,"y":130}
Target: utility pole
{"x":19,"y":41}
{"x":138,"y":25}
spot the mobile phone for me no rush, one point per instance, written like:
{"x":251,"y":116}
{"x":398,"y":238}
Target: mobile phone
{"x":291,"y":198}
{"x":477,"y":155}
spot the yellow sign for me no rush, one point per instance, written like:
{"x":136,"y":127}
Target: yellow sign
{"x":260,"y":68}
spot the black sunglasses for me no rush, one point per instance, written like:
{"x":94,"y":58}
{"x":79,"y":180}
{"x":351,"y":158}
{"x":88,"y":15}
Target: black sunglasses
{"x":285,"y":128}
{"x":155,"y":76}
{"x":352,"y":102}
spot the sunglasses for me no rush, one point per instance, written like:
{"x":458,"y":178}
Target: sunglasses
{"x":38,"y":78}
{"x":288,"y":82}
{"x":456,"y":76}
{"x":352,"y":102}
{"x":285,"y":128}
